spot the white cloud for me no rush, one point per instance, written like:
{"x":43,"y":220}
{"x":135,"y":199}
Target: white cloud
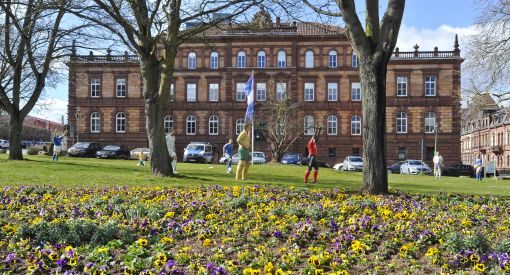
{"x":51,"y":109}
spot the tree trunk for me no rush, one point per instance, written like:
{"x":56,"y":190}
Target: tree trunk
{"x":15,"y":128}
{"x":373,"y":83}
{"x":154,"y":116}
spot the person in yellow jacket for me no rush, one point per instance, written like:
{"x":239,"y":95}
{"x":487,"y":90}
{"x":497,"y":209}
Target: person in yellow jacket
{"x":243,"y":153}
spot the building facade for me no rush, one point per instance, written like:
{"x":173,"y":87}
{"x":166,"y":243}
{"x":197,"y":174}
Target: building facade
{"x":310,"y":63}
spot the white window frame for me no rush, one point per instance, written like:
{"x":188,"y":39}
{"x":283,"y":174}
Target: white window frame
{"x":95,"y":122}
{"x":120,"y":122}
{"x":192,"y":60}
{"x":430,"y":117}
{"x":355,"y":91}
{"x":214,"y":92}
{"x":214,"y":60}
{"x":309,"y":123}
{"x":281,"y":91}
{"x":309,"y":91}
{"x":281,"y":59}
{"x":191,"y":125}
{"x":95,"y":87}
{"x":239,"y":125}
{"x":120,"y":87}
{"x":261,"y":59}
{"x":241,"y":59}
{"x":191,"y":92}
{"x":332,"y":91}
{"x":332,"y":59}
{"x":261,"y":92}
{"x":402,"y":86}
{"x":356,"y":125}
{"x":430,"y":85}
{"x":214,"y":125}
{"x":332,"y":125}
{"x":309,"y":59}
{"x":240,"y":92}
{"x":354,"y":59}
{"x":168,"y":123}
{"x":401,"y":124}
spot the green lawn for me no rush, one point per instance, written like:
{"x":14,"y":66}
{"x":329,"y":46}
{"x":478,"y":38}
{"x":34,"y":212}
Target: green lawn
{"x":79,"y":172}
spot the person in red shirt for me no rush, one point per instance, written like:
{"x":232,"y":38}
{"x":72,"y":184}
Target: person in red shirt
{"x":312,"y":156}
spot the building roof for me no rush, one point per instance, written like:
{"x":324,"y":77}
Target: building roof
{"x":295,"y":28}
{"x":480,"y":104}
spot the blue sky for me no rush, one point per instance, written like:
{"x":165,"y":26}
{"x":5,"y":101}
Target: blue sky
{"x":428,"y":23}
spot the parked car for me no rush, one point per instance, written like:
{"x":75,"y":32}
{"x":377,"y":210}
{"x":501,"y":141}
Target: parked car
{"x":338,"y":166}
{"x":394,"y":168}
{"x":304,"y":161}
{"x":135,"y":152}
{"x":456,"y":170}
{"x":4,"y":144}
{"x":415,"y":167}
{"x":84,"y":149}
{"x":113,"y":152}
{"x":25,"y":144}
{"x":353,"y":163}
{"x":198,"y":152}
{"x":257,"y":158}
{"x":291,"y":158}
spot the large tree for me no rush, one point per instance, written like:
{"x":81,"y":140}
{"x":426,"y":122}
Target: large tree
{"x":32,"y":40}
{"x":374,"y":44}
{"x":152,"y":29}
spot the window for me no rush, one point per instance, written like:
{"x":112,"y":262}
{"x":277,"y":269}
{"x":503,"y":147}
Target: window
{"x":191,"y":92}
{"x":241,"y":59}
{"x":121,"y":87}
{"x":356,"y":91}
{"x":356,"y":125}
{"x":214,"y":121}
{"x":309,"y":59}
{"x":332,"y":152}
{"x":192,"y":61}
{"x":402,"y":153}
{"x":332,"y":59}
{"x":214,"y":60}
{"x":354,"y":59}
{"x":332,"y":125}
{"x":261,"y":59}
{"x":240,"y":92}
{"x":282,"y":57}
{"x":430,"y":86}
{"x":355,"y":151}
{"x":214,"y":92}
{"x":401,"y":85}
{"x":429,"y":153}
{"x":281,"y":90}
{"x":430,"y":122}
{"x":191,"y":125}
{"x":309,"y":91}
{"x":168,"y":122}
{"x":95,"y":87}
{"x":401,"y":123}
{"x":172,"y":92}
{"x":261,"y":92}
{"x":309,"y":124}
{"x":332,"y":91}
{"x":95,"y":123}
{"x":120,"y":125}
{"x":239,"y":125}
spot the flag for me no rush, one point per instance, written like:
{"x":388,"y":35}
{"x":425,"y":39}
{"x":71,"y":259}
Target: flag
{"x":249,"y":99}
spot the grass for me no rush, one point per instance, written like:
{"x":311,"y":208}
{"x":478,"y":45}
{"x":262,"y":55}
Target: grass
{"x":80,"y":172}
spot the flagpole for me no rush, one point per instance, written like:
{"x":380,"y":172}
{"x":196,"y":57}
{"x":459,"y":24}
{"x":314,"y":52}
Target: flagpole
{"x":253,"y":117}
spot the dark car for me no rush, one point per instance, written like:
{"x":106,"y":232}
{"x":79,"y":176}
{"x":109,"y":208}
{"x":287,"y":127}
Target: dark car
{"x":394,"y":168}
{"x":304,"y":161}
{"x":114,"y":152}
{"x":291,"y":158}
{"x":84,"y":149}
{"x":459,"y":170}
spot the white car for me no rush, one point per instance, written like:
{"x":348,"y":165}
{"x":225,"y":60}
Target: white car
{"x":135,"y":152}
{"x":4,"y":144}
{"x":353,"y":163}
{"x":257,"y":158}
{"x":338,"y":166}
{"x":414,"y":167}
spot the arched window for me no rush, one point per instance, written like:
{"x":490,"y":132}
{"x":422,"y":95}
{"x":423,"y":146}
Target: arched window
{"x":214,"y":60}
{"x":309,"y":59}
{"x":356,"y":125}
{"x":261,"y":59}
{"x":354,"y":59}
{"x":332,"y":59}
{"x":214,"y":121}
{"x":332,"y":125}
{"x":241,"y":59}
{"x":95,"y":122}
{"x":192,"y":61}
{"x":430,"y":122}
{"x":282,"y":58}
{"x":309,"y":123}
{"x":169,"y":123}
{"x":401,"y":123}
{"x":239,"y":125}
{"x":120,"y":125}
{"x":191,"y":125}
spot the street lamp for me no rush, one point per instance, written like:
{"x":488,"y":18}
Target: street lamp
{"x":77,"y":115}
{"x":435,"y":137}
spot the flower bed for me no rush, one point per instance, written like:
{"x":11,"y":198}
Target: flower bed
{"x":253,"y":230}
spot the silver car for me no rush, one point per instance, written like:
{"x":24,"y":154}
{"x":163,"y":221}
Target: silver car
{"x":136,"y":152}
{"x":414,"y":167}
{"x":257,"y":158}
{"x":4,"y":144}
{"x":353,"y":163}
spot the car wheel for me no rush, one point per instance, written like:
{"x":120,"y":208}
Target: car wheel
{"x":390,"y":171}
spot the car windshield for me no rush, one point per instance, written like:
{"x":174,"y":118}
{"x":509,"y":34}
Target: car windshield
{"x":81,"y":145}
{"x":112,"y":147}
{"x":355,"y":159}
{"x":195,"y":147}
{"x":415,"y":162}
{"x":258,"y":155}
{"x":290,"y":156}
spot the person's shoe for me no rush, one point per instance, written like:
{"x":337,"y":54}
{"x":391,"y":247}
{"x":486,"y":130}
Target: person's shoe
{"x":314,"y":182}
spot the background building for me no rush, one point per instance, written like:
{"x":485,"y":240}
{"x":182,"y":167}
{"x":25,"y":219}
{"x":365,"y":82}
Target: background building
{"x":34,"y":128}
{"x":309,"y":62}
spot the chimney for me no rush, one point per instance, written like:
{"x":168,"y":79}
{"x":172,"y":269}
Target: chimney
{"x":277,"y":21}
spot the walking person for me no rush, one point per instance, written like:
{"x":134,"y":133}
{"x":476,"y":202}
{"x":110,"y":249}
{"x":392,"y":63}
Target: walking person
{"x":57,"y":144}
{"x":228,"y":149}
{"x":312,"y":156}
{"x":478,"y":168}
{"x":243,"y":153}
{"x":438,"y":162}
{"x":170,"y":144}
